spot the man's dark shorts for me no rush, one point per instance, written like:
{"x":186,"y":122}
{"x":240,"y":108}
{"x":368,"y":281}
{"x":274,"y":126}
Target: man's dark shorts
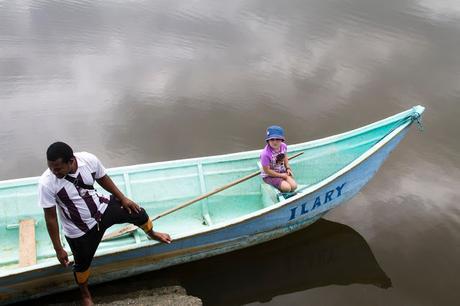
{"x":84,"y":247}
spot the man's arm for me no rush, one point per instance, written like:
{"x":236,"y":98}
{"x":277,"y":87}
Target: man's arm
{"x":107,"y":183}
{"x":53,"y":231}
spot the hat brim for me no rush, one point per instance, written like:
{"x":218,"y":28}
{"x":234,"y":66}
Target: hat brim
{"x":275,"y":137}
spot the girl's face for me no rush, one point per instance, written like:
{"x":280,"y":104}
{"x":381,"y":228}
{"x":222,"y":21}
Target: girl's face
{"x":275,"y":143}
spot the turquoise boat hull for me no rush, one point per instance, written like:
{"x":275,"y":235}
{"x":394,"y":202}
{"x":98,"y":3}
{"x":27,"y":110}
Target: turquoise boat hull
{"x":330,"y":172}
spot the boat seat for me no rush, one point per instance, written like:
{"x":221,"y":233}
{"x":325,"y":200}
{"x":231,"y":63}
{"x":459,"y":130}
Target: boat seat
{"x":27,"y":243}
{"x":270,"y":194}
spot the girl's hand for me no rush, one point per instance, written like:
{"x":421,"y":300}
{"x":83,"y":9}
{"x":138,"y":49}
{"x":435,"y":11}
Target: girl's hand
{"x":284,"y":176}
{"x":289,"y":172}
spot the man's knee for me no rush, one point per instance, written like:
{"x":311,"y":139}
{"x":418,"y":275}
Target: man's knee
{"x":140,"y":218}
{"x":146,"y":226}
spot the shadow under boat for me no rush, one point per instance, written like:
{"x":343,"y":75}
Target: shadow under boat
{"x":325,"y":253}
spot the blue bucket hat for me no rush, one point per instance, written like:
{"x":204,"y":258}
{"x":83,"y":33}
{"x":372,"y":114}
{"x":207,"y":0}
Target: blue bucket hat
{"x":275,"y":132}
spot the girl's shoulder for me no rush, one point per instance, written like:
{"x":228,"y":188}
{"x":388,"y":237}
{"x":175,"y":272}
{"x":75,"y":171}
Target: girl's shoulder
{"x":265,"y":150}
{"x":283,"y":147}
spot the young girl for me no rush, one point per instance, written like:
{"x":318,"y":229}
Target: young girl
{"x":275,"y":164}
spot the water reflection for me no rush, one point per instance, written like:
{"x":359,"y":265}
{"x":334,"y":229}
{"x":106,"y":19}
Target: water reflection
{"x":70,"y":67}
{"x":159,"y":80}
{"x":325,"y":253}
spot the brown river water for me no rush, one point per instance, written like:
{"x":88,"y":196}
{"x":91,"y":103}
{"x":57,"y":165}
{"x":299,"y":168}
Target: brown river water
{"x":144,"y":81}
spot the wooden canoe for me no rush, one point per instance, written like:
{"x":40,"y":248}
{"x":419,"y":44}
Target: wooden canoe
{"x":331,"y":171}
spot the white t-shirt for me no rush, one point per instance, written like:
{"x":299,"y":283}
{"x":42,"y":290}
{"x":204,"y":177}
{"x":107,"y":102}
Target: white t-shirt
{"x":78,"y":208}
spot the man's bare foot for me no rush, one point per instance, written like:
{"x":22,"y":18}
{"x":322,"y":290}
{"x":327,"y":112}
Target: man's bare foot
{"x":162,"y":237}
{"x":87,"y":301}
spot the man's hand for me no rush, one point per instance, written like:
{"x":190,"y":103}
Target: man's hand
{"x":107,"y":183}
{"x":130,"y":206}
{"x":61,"y":255}
{"x":162,"y":237}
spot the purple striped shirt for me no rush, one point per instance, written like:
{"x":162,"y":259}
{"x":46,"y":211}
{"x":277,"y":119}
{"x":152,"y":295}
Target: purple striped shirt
{"x":79,"y":208}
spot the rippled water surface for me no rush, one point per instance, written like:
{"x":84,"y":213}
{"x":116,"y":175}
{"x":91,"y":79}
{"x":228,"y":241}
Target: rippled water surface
{"x":145,"y":81}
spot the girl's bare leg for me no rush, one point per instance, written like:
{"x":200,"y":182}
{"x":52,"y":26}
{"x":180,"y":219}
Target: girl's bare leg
{"x":285,"y":186}
{"x":292,"y":183}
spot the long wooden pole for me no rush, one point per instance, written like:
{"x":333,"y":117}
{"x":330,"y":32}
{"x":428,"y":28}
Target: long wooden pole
{"x":131,"y":228}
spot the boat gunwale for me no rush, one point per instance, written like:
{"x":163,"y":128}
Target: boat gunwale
{"x":311,"y":189}
{"x":191,"y":162}
{"x":356,"y":162}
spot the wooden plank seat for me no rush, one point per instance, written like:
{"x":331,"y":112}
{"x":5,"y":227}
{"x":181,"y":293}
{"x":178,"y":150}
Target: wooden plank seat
{"x":27,"y":243}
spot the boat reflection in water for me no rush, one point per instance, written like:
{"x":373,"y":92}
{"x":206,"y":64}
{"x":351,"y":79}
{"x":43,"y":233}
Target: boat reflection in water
{"x":325,"y":253}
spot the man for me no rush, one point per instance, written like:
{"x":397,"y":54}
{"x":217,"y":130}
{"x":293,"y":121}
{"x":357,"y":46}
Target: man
{"x":83,"y":213}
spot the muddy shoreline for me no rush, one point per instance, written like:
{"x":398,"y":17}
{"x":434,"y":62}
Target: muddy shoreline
{"x":161,"y":296}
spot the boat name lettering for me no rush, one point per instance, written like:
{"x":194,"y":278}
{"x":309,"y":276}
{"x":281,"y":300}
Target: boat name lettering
{"x":321,"y":199}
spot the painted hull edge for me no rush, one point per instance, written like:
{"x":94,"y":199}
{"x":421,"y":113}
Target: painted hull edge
{"x":273,"y":224}
{"x":58,"y":279}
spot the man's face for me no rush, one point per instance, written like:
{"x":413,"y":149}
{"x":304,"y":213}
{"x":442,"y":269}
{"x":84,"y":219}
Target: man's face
{"x":59,"y":168}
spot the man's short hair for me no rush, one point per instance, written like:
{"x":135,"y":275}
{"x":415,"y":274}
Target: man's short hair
{"x":59,"y":150}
